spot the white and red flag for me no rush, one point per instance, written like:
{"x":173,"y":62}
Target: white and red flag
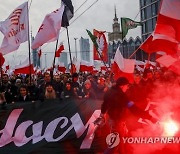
{"x":86,"y":66}
{"x":49,"y":29}
{"x":166,"y":36}
{"x":24,"y":67}
{"x":123,"y":67}
{"x":61,"y":48}
{"x":15,"y":29}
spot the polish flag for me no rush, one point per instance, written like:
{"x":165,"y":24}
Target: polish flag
{"x":75,"y":66}
{"x":24,"y":68}
{"x":123,"y":67}
{"x":140,"y":65}
{"x":61,"y":48}
{"x":86,"y":66}
{"x":166,"y":36}
{"x":49,"y":30}
{"x":15,"y":29}
{"x":61,"y":67}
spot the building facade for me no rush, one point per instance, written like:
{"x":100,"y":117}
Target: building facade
{"x":149,"y":10}
{"x":127,"y":46}
{"x":64,"y":58}
{"x":84,"y":49}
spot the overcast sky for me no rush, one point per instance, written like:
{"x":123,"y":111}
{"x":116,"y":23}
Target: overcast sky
{"x":99,"y":16}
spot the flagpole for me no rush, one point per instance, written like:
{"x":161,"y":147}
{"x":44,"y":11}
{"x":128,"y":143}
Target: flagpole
{"x":134,"y":53}
{"x":102,"y":59}
{"x":69,"y":48}
{"x":55,"y":53}
{"x":29,"y":46}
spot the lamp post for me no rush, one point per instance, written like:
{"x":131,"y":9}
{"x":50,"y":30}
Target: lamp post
{"x":45,"y":61}
{"x":75,"y":46}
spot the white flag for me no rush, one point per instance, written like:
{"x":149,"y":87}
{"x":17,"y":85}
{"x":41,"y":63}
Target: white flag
{"x":15,"y":29}
{"x":49,"y":30}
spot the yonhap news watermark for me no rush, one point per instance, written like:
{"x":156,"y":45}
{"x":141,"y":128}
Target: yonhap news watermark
{"x":114,"y":139}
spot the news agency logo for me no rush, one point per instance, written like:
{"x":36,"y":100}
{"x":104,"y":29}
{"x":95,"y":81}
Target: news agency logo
{"x":113,"y":140}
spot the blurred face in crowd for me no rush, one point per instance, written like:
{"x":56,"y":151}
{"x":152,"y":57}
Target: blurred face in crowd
{"x":137,"y":78}
{"x":57,"y":78}
{"x":5,"y":78}
{"x":23,"y":92}
{"x":125,"y":87}
{"x":65,"y":78}
{"x":68,"y":86}
{"x":47,"y":78}
{"x":87,"y":86}
{"x":75,"y":79}
{"x":149,"y":75}
{"x":80,"y":79}
{"x":49,"y":89}
{"x":101,"y":81}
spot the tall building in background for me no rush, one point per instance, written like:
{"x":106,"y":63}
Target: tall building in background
{"x":116,"y":34}
{"x":127,"y":46}
{"x":149,"y":10}
{"x":35,"y":57}
{"x":64,"y":58}
{"x":84,"y":49}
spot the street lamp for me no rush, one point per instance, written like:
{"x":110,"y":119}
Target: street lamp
{"x":75,"y":46}
{"x":45,"y":61}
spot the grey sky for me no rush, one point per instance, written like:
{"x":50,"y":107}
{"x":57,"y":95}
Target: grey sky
{"x":99,"y":16}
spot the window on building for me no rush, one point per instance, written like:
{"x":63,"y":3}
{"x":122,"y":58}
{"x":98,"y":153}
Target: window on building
{"x":149,"y":25}
{"x":142,"y":14}
{"x":148,"y":2}
{"x":154,"y":10}
{"x":142,"y":3}
{"x":148,"y":12}
{"x":154,"y":22}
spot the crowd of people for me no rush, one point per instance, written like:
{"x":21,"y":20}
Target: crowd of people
{"x":16,"y":89}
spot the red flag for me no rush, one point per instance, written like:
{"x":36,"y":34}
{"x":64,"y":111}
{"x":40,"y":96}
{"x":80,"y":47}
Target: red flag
{"x":2,"y":60}
{"x":123,"y":67}
{"x":15,"y":29}
{"x":102,"y":46}
{"x":39,"y":53}
{"x":7,"y":67}
{"x":61,"y":48}
{"x":62,"y":68}
{"x":49,"y":30}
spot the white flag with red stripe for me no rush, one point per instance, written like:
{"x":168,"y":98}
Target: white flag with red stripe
{"x":123,"y":67}
{"x":49,"y":29}
{"x":15,"y":29}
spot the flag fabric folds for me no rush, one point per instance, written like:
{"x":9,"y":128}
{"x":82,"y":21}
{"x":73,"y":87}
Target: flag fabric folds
{"x":15,"y":29}
{"x":86,"y":66}
{"x":49,"y":29}
{"x":68,"y":13}
{"x":127,"y":24}
{"x":123,"y":67}
{"x":166,"y":34}
{"x":61,"y":48}
{"x":2,"y":60}
{"x":100,"y":45}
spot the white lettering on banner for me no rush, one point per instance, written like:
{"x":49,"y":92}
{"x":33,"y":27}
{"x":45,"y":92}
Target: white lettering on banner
{"x":19,"y":138}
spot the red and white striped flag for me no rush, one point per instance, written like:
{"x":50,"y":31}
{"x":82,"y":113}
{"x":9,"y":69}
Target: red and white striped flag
{"x":15,"y":29}
{"x":49,"y":29}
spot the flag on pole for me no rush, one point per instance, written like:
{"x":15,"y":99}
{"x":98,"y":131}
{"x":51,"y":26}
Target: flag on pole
{"x":15,"y":29}
{"x":100,"y":45}
{"x":61,"y":48}
{"x":123,"y":67}
{"x":127,"y":24}
{"x":49,"y":29}
{"x":68,"y":13}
